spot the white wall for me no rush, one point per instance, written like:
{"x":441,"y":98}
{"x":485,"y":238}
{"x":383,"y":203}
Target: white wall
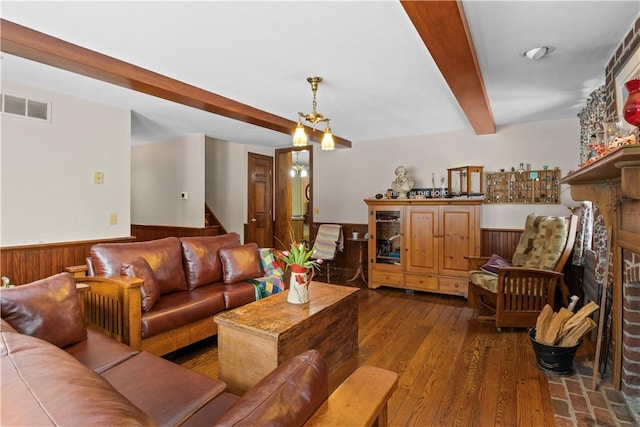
{"x":344,"y":177}
{"x":160,"y":172}
{"x":47,"y":189}
{"x":227,"y":180}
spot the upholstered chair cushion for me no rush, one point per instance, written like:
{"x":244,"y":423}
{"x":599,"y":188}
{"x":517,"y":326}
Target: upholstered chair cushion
{"x":47,"y":309}
{"x":202,"y":264}
{"x":240,"y":263}
{"x":150,"y":290}
{"x":542,"y":242}
{"x":485,"y":280}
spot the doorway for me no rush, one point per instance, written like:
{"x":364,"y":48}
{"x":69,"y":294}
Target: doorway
{"x":260,"y":201}
{"x":293,"y":195}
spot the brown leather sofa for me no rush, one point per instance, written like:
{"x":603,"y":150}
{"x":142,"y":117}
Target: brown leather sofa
{"x":161,"y":295}
{"x":55,"y":371}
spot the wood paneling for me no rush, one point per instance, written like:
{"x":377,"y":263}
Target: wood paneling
{"x":24,"y":264}
{"x":152,"y":232}
{"x":499,"y":241}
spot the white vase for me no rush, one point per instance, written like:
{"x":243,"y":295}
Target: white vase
{"x":299,"y":286}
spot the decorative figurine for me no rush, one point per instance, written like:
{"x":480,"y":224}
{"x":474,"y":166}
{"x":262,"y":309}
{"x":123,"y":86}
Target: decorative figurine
{"x":402,"y":184}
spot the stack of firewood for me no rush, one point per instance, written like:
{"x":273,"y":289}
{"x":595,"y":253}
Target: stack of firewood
{"x":564,"y":328}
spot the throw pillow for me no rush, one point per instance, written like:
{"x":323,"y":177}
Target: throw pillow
{"x":240,"y":263}
{"x":494,"y":262}
{"x":150,"y":290}
{"x":47,"y":309}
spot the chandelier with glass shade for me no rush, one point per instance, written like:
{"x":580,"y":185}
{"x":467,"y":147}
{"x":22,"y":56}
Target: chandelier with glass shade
{"x":300,"y":138}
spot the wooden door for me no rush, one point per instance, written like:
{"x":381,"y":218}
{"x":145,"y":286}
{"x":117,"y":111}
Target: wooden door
{"x":422,"y":236}
{"x":457,"y":225}
{"x":260,"y":202}
{"x":283,"y":196}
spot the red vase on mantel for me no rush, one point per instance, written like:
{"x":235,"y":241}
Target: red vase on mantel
{"x":631,"y":109}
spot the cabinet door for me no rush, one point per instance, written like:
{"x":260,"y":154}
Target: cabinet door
{"x":385,"y":237}
{"x":458,"y":224}
{"x":421,"y":239}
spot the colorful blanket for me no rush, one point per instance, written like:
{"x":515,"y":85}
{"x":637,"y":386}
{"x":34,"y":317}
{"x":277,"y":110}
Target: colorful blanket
{"x":272,"y":282}
{"x":328,"y":240}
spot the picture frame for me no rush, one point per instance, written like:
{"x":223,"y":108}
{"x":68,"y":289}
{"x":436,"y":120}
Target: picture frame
{"x":630,"y":70}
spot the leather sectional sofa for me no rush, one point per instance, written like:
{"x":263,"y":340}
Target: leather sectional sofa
{"x":161,"y":295}
{"x":56,"y":371}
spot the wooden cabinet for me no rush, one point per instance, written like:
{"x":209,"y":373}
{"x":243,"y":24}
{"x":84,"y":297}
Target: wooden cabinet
{"x":423,"y":244}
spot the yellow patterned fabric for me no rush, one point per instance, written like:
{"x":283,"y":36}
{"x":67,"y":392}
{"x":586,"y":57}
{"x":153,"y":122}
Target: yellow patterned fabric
{"x":484,"y":280}
{"x":542,"y":242}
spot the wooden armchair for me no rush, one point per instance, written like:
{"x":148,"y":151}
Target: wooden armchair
{"x":516,"y":295}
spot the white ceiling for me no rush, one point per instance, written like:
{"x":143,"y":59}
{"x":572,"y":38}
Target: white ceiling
{"x":379,"y":79}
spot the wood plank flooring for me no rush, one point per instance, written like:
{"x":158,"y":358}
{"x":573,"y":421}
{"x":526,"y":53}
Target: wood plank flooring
{"x":453,"y":371}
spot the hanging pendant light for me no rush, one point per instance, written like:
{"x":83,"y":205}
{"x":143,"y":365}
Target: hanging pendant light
{"x":327,"y":140}
{"x":300,"y":137}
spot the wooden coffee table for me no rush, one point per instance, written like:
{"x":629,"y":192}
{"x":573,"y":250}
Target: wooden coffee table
{"x":254,"y":339}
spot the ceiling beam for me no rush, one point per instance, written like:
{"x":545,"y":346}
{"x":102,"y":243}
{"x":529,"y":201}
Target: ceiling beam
{"x":26,"y":43}
{"x":442,"y":25}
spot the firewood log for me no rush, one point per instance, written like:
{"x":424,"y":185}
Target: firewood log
{"x":551,"y":335}
{"x":543,"y":321}
{"x":578,"y":318}
{"x":574,"y":334}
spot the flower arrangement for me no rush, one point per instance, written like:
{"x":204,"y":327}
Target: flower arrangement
{"x":299,"y":258}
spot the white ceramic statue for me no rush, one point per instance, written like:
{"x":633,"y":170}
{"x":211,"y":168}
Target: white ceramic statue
{"x":402,"y":184}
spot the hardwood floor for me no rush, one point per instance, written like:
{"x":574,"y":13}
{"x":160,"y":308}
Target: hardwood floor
{"x":453,"y":371}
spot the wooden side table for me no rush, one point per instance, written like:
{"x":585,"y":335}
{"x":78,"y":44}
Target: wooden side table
{"x":361,"y":259}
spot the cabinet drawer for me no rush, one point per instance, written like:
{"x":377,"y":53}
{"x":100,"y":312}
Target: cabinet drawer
{"x":454,"y":286}
{"x":421,"y":282}
{"x":387,"y":278}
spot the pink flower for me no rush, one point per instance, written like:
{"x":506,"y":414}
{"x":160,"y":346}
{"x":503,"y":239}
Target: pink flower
{"x":320,"y":261}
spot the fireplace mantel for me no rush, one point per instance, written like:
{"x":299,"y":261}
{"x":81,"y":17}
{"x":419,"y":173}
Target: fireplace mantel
{"x":612,"y":183}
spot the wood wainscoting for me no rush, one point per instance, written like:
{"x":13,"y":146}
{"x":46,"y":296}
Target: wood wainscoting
{"x":25,"y":264}
{"x":499,"y":241}
{"x":152,"y":232}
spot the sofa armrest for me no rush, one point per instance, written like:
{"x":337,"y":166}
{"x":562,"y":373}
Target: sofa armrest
{"x":475,"y":262}
{"x":113,"y":305}
{"x":361,"y":400}
{"x":77,"y":271}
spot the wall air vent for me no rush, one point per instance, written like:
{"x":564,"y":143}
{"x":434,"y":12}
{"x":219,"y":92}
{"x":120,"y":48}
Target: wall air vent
{"x":25,"y":107}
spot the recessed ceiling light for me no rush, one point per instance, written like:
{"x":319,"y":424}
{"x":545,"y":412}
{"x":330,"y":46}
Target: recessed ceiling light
{"x":536,"y":52}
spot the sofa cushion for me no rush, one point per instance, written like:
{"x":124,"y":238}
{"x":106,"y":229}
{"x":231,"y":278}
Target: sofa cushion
{"x":48,"y":309}
{"x":150,"y":290}
{"x":179,"y":309}
{"x":167,"y":392}
{"x":240,"y":263}
{"x":163,"y":255}
{"x":235,"y":295}
{"x":202,"y":264}
{"x":288,"y":396}
{"x":48,"y":387}
{"x":99,"y":352}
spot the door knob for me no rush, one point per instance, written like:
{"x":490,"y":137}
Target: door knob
{"x":253,"y":220}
